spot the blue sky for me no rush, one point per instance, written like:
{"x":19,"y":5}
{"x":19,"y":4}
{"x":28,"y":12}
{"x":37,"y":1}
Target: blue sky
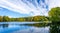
{"x":23,"y":8}
{"x":6,"y":12}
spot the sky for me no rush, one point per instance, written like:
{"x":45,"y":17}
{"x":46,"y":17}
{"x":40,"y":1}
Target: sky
{"x":24,"y":8}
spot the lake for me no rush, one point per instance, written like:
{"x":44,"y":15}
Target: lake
{"x":24,"y":27}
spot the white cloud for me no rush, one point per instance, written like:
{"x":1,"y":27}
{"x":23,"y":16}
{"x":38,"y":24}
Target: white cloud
{"x":54,"y":3}
{"x":12,"y":6}
{"x":21,"y":7}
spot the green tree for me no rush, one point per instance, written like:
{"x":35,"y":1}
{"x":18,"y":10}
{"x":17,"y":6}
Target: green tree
{"x":40,"y":18}
{"x":5,"y":18}
{"x":54,"y":14}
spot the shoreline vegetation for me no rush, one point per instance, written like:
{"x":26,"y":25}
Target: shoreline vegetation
{"x":23,"y":19}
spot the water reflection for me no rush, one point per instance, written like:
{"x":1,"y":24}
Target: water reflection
{"x":30,"y":28}
{"x":55,"y":28}
{"x":24,"y":28}
{"x":34,"y":30}
{"x":4,"y":25}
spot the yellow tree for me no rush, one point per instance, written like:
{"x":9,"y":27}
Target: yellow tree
{"x":1,"y":18}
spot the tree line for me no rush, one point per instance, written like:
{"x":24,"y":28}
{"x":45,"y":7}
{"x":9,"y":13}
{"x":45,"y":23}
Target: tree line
{"x":22,"y":19}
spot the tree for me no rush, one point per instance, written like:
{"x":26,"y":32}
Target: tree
{"x":40,"y":18}
{"x":1,"y":19}
{"x":54,"y":14}
{"x":5,"y":18}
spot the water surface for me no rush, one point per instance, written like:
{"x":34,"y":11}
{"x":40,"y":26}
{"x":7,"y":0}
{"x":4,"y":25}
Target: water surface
{"x":23,"y":27}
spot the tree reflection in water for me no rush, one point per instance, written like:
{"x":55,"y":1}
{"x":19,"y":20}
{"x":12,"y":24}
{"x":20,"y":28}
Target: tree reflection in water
{"x":4,"y":25}
{"x":55,"y":27}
